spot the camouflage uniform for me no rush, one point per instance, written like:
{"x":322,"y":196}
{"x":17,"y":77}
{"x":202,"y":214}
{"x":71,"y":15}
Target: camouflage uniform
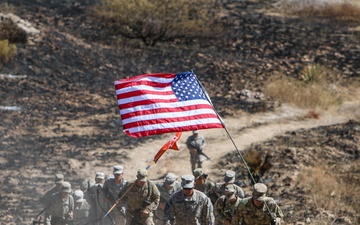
{"x":248,"y":213}
{"x":166,"y":188}
{"x":219,"y":188}
{"x":112,"y":190}
{"x":225,"y":206}
{"x":206,"y":186}
{"x":59,"y":210}
{"x":81,"y":208}
{"x":185,"y":210}
{"x":194,"y":144}
{"x":59,"y":179}
{"x":141,"y":198}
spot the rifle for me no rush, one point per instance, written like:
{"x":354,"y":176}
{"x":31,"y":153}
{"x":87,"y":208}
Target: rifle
{"x":200,"y":152}
{"x":39,"y":222}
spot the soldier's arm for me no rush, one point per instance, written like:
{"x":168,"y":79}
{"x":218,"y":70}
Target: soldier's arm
{"x":209,"y":218}
{"x":70,"y":214}
{"x":48,"y":213}
{"x":203,"y":143}
{"x":44,"y":198}
{"x":237,"y":217}
{"x":274,"y":208}
{"x":155,"y":198}
{"x":218,"y":210}
{"x":188,"y":145}
{"x":106,"y":189}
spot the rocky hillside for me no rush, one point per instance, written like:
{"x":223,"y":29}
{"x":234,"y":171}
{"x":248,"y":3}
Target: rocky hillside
{"x":67,"y":100}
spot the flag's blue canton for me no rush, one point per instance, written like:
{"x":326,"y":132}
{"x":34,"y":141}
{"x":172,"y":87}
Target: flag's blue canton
{"x":186,"y":87}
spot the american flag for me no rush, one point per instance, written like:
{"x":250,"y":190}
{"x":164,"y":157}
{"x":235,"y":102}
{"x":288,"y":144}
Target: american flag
{"x":161,"y":103}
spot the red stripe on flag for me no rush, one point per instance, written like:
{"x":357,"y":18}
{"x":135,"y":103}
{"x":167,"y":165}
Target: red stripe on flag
{"x":175,"y":129}
{"x":167,"y":120}
{"x":145,"y":102}
{"x":142,"y":82}
{"x":164,"y":110}
{"x":142,"y":92}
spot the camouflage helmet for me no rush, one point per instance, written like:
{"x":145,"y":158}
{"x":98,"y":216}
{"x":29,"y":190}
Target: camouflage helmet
{"x":259,"y":192}
{"x":59,"y":178}
{"x":142,"y":175}
{"x":66,"y":187}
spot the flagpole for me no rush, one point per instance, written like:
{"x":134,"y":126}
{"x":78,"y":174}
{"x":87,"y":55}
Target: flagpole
{"x":227,"y":132}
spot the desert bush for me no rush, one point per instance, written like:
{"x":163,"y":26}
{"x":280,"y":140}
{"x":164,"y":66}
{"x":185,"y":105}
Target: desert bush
{"x":7,"y":51}
{"x":332,"y":9}
{"x":314,"y":89}
{"x":157,"y":20}
{"x":316,"y":73}
{"x":10,"y":31}
{"x":258,"y":162}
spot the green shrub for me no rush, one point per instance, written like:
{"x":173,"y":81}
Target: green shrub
{"x":157,"y":20}
{"x":7,"y":51}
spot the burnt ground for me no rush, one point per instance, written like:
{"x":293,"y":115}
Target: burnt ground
{"x":69,"y":120}
{"x":334,"y":150}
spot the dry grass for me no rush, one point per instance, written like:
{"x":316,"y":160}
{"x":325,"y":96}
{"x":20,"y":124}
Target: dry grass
{"x":7,"y":8}
{"x":7,"y":51}
{"x":343,"y":11}
{"x":333,"y":189}
{"x":317,"y":88}
{"x":311,"y":9}
{"x":155,"y":20}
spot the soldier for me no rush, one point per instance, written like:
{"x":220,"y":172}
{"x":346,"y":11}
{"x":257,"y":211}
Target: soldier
{"x":112,"y":187}
{"x":258,"y":209}
{"x":188,"y":206}
{"x":85,"y":187}
{"x":142,"y":198}
{"x":201,"y":182}
{"x":98,"y":201}
{"x":81,"y":208}
{"x":166,"y":188}
{"x":196,"y":143}
{"x":60,"y":209}
{"x":225,"y":206}
{"x":219,"y":188}
{"x":59,"y":179}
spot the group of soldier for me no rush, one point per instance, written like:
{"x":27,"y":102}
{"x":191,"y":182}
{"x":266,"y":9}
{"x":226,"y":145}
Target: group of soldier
{"x":195,"y":200}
